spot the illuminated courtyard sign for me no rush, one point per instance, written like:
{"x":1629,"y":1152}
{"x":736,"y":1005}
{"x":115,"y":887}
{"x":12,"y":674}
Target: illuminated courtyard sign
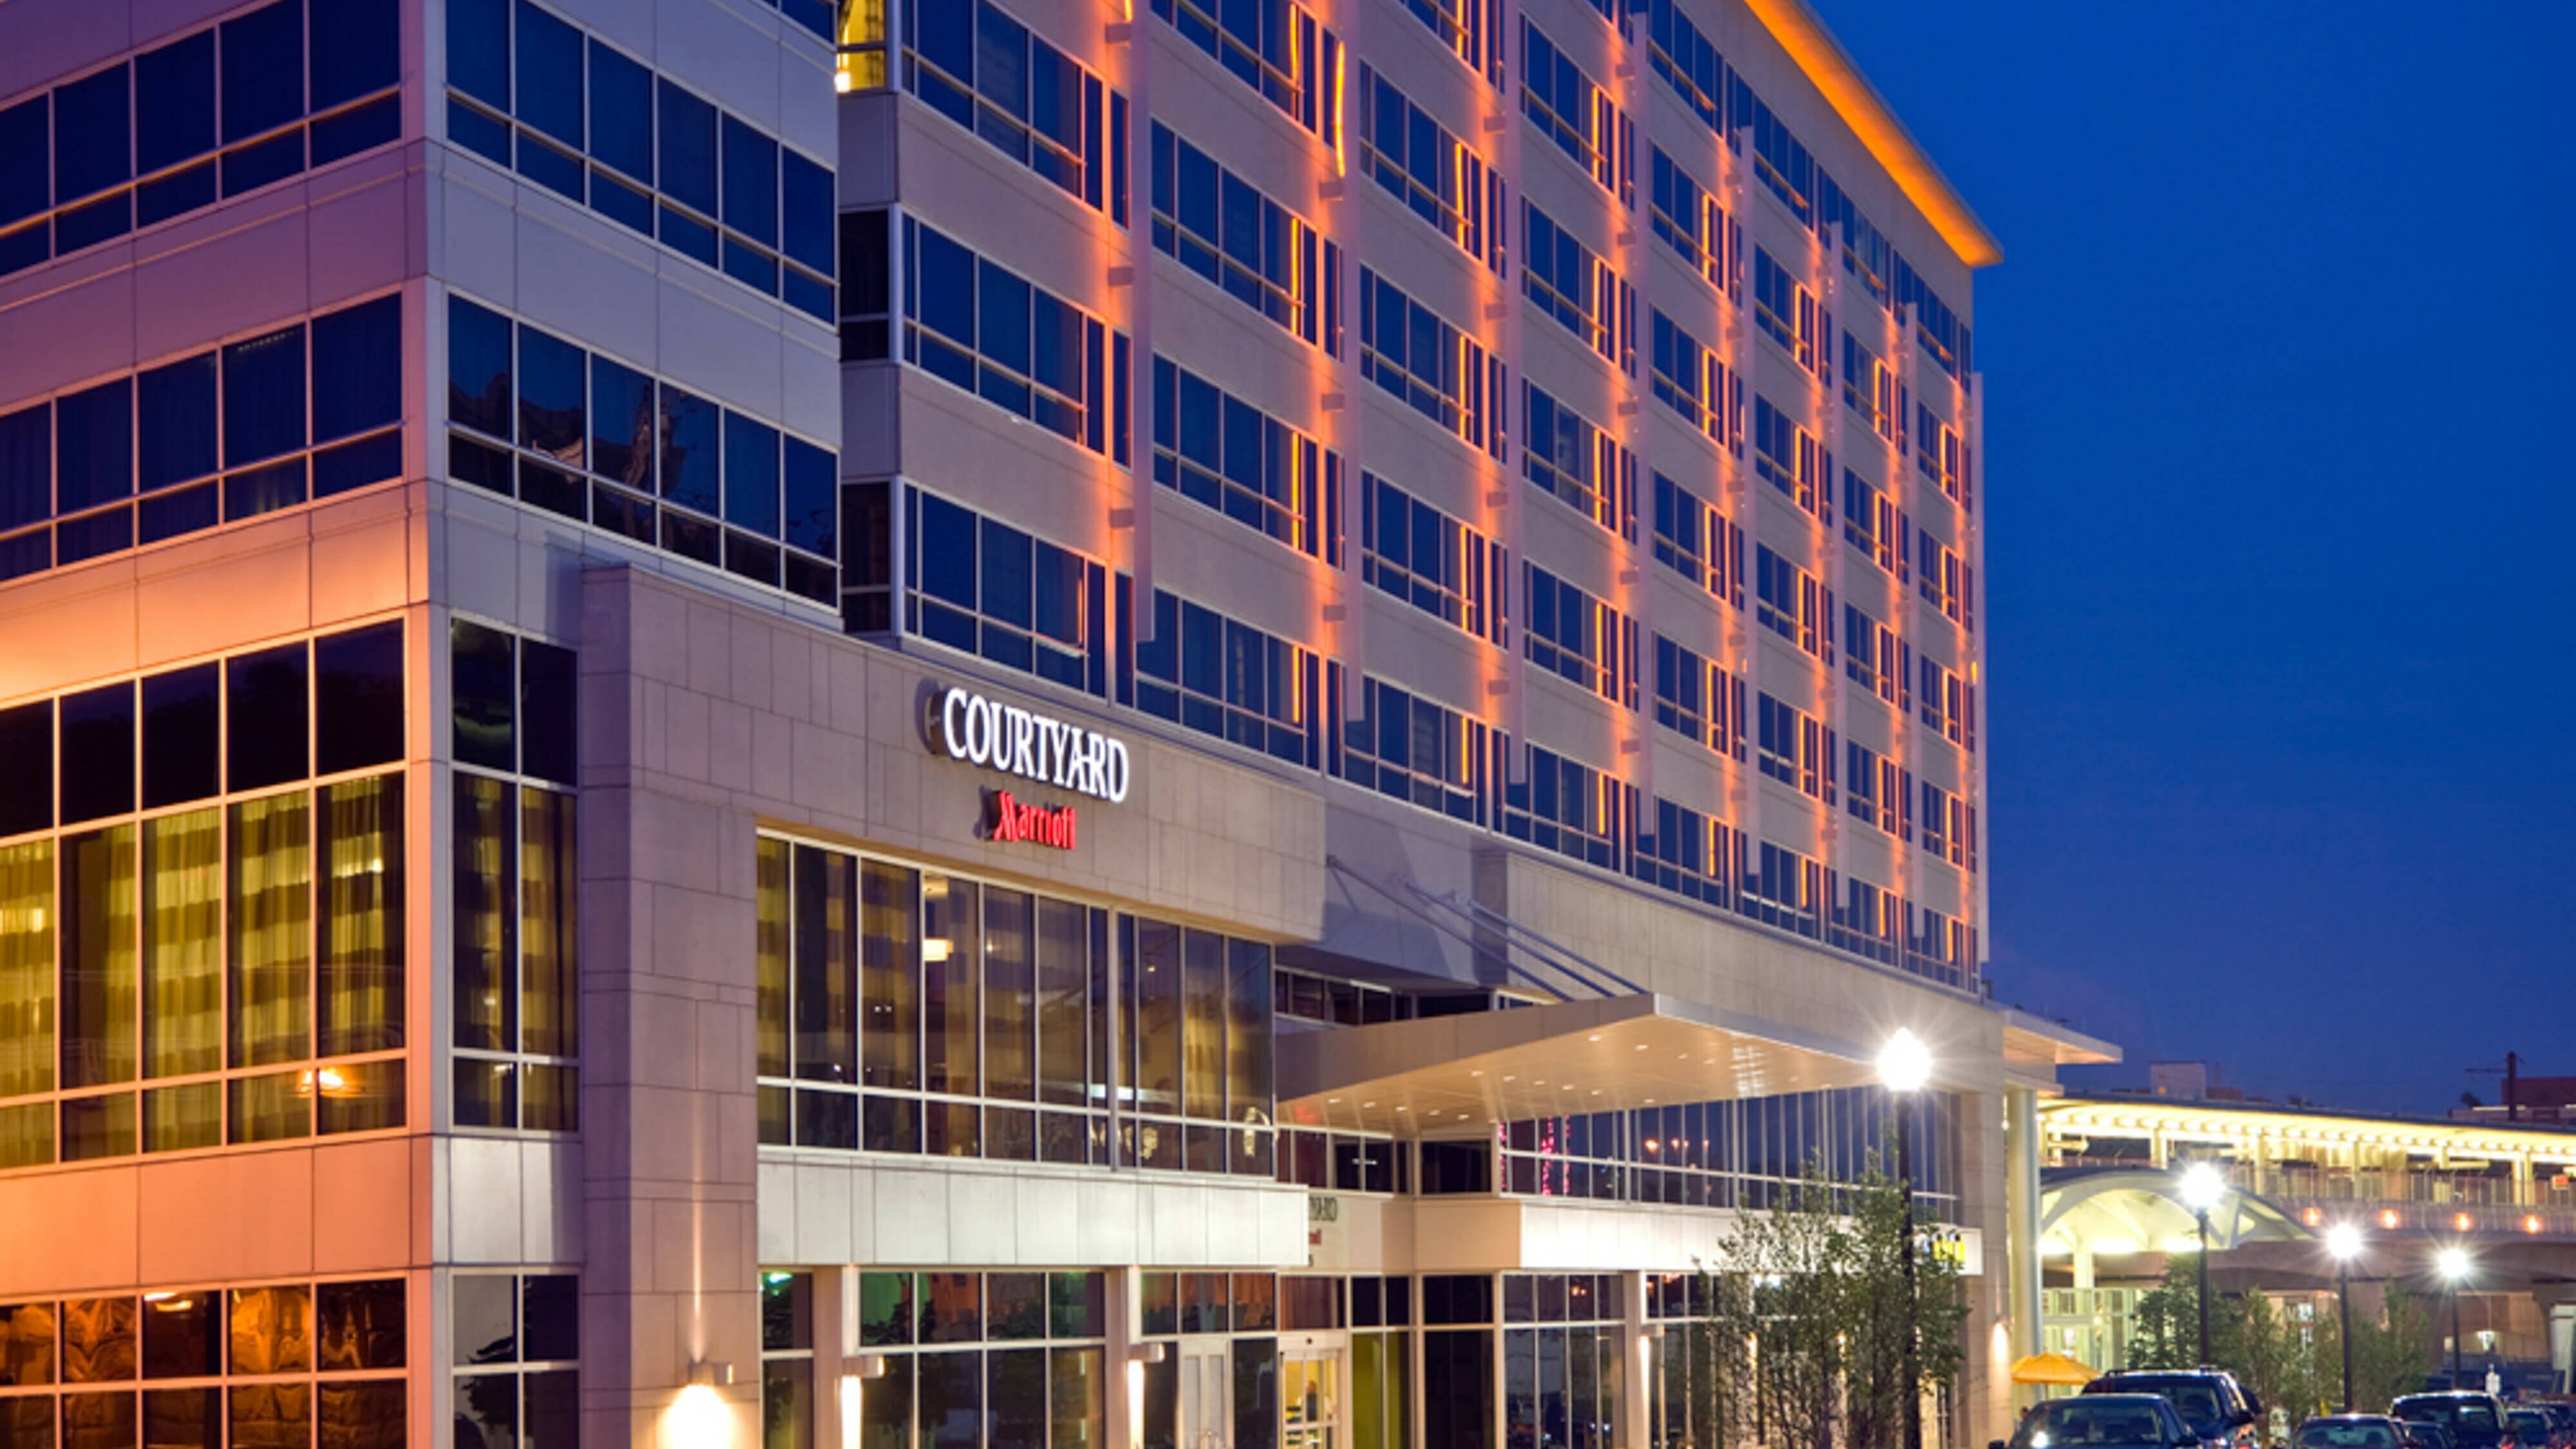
{"x":1015,"y":741}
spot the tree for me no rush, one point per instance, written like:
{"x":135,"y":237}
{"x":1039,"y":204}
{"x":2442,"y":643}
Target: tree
{"x":1816,"y":1294}
{"x":2390,"y":1353}
{"x":2164,"y":1331}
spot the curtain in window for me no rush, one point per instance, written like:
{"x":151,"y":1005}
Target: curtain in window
{"x":487,"y":996}
{"x":27,"y":969}
{"x":361,"y":989}
{"x":549,"y":981}
{"x":98,"y":993}
{"x":770,"y":952}
{"x":183,"y":911}
{"x":271,"y":936}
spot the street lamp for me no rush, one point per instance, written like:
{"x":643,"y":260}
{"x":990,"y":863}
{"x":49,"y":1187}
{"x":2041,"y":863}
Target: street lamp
{"x":2454,"y":1265}
{"x":2343,"y":1240}
{"x":1904,"y":1065}
{"x":2203,"y":1188}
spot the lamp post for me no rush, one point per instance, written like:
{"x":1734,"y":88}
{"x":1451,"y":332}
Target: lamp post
{"x":2343,"y":1240}
{"x":2454,"y":1265}
{"x":1904,"y":1065}
{"x":2203,"y":1188}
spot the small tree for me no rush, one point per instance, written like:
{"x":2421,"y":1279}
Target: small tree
{"x":2164,"y":1332}
{"x":2391,"y":1353}
{"x":1819,"y":1301}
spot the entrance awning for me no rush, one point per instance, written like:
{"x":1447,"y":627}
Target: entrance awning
{"x":1445,"y":1073}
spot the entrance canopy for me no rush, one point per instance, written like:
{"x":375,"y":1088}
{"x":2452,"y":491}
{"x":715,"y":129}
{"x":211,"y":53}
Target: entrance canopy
{"x":1474,"y":1070}
{"x":2111,"y":1212}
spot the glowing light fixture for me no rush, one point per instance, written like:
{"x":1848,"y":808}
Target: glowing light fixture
{"x":1904,"y":1064}
{"x":2343,"y":1240}
{"x":2204,"y":1187}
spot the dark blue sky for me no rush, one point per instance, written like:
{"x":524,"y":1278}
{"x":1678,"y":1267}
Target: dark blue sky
{"x":2281,"y":512}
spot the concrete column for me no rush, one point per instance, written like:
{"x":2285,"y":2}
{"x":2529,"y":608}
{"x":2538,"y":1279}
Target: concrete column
{"x":836,"y":1321}
{"x":1637,"y":1403}
{"x":2021,"y":1220}
{"x":669,"y":1123}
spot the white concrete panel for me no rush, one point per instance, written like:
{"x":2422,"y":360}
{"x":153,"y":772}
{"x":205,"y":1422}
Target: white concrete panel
{"x":1107,"y":1223}
{"x":982,"y":1217}
{"x":476,"y":246}
{"x":778,"y":1239}
{"x":550,"y":1202}
{"x":483,"y":1191}
{"x":1049,"y":1227}
{"x":583,"y":279}
{"x":823,"y":1214}
{"x":912,"y":1217}
{"x":713,"y":349}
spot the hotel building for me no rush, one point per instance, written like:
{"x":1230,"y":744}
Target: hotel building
{"x":941,"y":724}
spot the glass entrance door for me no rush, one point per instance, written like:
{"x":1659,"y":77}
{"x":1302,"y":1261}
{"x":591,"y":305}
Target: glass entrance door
{"x":1310,"y":1399}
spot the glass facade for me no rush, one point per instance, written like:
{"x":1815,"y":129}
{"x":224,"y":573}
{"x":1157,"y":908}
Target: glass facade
{"x":271,"y":1366}
{"x":580,"y":434}
{"x":913,"y":1011}
{"x":516,"y":1361}
{"x":201,"y":905}
{"x":213,"y":114}
{"x":516,"y":969}
{"x":283,"y":416}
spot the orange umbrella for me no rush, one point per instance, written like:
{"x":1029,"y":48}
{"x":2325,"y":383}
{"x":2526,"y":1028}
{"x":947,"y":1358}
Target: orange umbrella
{"x":2051,"y":1368}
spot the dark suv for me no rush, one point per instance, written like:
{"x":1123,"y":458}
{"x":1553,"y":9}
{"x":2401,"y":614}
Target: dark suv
{"x":2476,"y":1421}
{"x":2222,"y":1415}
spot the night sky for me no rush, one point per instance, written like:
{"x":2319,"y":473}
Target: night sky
{"x":2281,"y":510}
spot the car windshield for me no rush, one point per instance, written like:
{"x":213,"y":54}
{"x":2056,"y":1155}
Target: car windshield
{"x":2095,"y":1422}
{"x":2197,"y":1400}
{"x":2531,"y":1422}
{"x":2464,"y":1413}
{"x":2347,"y":1435}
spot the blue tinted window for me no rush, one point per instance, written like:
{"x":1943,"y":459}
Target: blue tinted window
{"x":357,"y":369}
{"x":478,"y":368}
{"x":26,"y":466}
{"x":621,"y":113}
{"x":180,"y":401}
{"x":945,"y":36}
{"x":174,"y":102}
{"x":689,"y":450}
{"x":264,"y":397}
{"x":621,"y":424}
{"x":551,"y":389}
{"x":94,"y":445}
{"x":750,"y":182}
{"x":92,"y":142}
{"x":688,"y":159}
{"x":23,"y":191}
{"x":813,"y":502}
{"x":549,"y":92}
{"x":806,"y":190}
{"x":947,"y":555}
{"x":751,"y":475}
{"x":356,"y":49}
{"x":263,"y":59}
{"x":946,"y":303}
{"x":478,"y":50}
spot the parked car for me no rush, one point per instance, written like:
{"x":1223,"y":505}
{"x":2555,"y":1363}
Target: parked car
{"x":2536,"y":1426}
{"x":2428,"y":1436}
{"x":2476,"y":1420}
{"x":2102,"y":1421}
{"x":2222,"y":1415}
{"x":2562,"y":1419}
{"x":2352,"y":1431}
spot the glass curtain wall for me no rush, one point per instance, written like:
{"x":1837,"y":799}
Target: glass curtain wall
{"x":913,"y":1011}
{"x":516,"y":873}
{"x":201,"y":928}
